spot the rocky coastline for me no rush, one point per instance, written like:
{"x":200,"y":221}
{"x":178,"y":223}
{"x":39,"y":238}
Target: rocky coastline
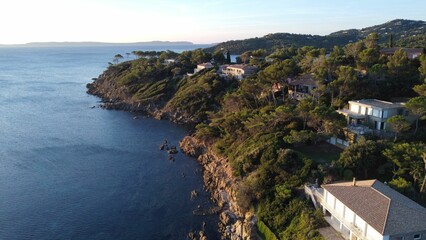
{"x":234,"y":224}
{"x":116,"y":97}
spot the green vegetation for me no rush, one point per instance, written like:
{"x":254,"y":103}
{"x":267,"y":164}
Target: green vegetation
{"x":406,"y":33}
{"x":198,"y":95}
{"x":265,"y":232}
{"x":322,"y":153}
{"x":276,"y":144}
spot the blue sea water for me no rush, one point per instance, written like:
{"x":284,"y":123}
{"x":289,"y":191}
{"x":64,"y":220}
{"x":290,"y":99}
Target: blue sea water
{"x":70,"y":171}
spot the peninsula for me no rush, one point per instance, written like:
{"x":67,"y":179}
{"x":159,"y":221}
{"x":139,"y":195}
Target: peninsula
{"x":284,"y":117}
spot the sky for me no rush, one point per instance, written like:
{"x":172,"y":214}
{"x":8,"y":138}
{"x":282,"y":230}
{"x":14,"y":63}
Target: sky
{"x":213,"y":21}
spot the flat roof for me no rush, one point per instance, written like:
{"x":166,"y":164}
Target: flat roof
{"x":377,"y":103}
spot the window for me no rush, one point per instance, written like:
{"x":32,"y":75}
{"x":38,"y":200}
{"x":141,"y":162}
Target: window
{"x":417,"y":236}
{"x":376,"y":113}
{"x":385,"y":114}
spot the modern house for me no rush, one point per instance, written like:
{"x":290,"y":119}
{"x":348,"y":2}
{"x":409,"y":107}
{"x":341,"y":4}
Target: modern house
{"x":238,"y":71}
{"x":367,"y":116}
{"x":302,"y":86}
{"x":372,"y":112}
{"x":369,"y":210}
{"x":412,"y":53}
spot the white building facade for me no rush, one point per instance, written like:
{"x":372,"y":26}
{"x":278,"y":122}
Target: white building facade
{"x":369,"y":210}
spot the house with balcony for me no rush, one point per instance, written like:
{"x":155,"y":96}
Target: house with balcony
{"x":372,"y":112}
{"x":238,"y":71}
{"x":368,"y":116}
{"x":302,"y":86}
{"x":369,"y":210}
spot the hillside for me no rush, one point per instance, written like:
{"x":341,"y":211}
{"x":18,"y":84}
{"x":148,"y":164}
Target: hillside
{"x":402,"y":32}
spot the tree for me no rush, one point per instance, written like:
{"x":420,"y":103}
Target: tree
{"x":401,"y":185}
{"x":228,"y":57}
{"x":199,"y":56}
{"x":417,"y":106}
{"x":352,"y":50}
{"x":218,"y":57}
{"x":325,"y":120}
{"x":423,"y":187}
{"x":278,"y":73}
{"x":407,"y":159}
{"x":364,"y":157}
{"x":345,"y":85}
{"x":371,"y":41}
{"x":304,"y":108}
{"x":368,"y":57}
{"x":117,"y":58}
{"x":398,"y":63}
{"x":398,"y":124}
{"x":390,"y":44}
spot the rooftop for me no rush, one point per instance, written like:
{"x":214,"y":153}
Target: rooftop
{"x":207,"y":64}
{"x":383,"y":208}
{"x":378,"y":103}
{"x":306,"y":79}
{"x":242,"y":66}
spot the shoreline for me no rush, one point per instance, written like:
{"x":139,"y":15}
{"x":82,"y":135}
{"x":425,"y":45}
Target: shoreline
{"x":234,"y":223}
{"x":218,"y":180}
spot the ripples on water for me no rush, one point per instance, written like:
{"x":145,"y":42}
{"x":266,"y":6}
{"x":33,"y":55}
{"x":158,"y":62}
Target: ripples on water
{"x":68,"y":171}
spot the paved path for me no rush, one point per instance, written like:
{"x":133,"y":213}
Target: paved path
{"x":330,"y":234}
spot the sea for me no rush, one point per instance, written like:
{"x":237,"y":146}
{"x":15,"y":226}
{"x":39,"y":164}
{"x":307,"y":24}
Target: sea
{"x":71,"y":170}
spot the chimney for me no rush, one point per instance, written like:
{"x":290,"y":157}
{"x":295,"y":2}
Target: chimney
{"x":354,"y":182}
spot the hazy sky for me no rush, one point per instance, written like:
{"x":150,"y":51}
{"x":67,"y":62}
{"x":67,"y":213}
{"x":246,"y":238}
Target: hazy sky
{"x":23,"y":21}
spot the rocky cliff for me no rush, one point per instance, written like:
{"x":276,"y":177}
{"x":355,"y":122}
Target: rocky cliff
{"x":235,"y":224}
{"x":118,"y":97}
{"x":181,"y":99}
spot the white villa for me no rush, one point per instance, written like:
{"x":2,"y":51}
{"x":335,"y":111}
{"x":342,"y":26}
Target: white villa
{"x":368,"y":116}
{"x":369,"y":210}
{"x":238,"y":71}
{"x":372,"y":112}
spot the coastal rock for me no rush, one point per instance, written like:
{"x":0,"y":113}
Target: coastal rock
{"x":235,"y":224}
{"x":119,"y":97}
{"x":192,"y":146}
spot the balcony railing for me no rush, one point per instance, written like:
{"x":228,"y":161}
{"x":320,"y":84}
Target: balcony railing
{"x":317,"y":196}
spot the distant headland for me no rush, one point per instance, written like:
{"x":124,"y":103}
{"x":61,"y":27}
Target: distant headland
{"x":92,"y":44}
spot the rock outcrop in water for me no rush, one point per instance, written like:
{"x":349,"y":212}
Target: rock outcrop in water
{"x":235,"y":224}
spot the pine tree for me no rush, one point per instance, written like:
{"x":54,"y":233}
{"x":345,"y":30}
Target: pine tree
{"x":391,"y":40}
{"x":228,"y":57}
